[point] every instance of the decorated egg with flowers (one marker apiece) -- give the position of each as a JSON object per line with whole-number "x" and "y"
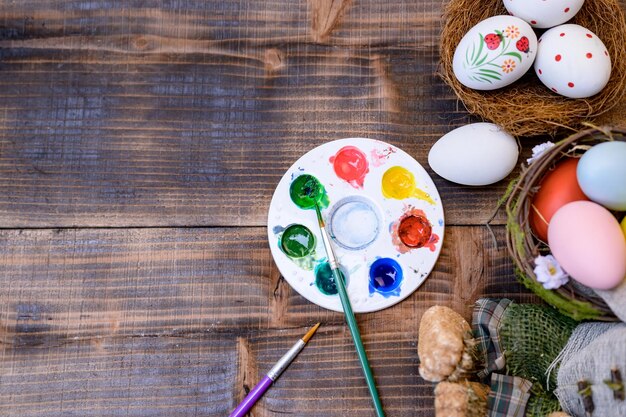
{"x": 495, "y": 53}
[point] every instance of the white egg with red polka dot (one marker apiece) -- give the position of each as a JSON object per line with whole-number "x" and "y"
{"x": 543, "y": 13}
{"x": 572, "y": 61}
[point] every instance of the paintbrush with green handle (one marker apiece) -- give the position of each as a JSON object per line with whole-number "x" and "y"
{"x": 350, "y": 319}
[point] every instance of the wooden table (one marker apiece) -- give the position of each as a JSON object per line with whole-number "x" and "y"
{"x": 140, "y": 145}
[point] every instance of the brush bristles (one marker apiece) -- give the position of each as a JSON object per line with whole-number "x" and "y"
{"x": 310, "y": 333}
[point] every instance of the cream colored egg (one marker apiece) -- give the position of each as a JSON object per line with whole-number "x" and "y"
{"x": 544, "y": 14}
{"x": 572, "y": 61}
{"x": 495, "y": 53}
{"x": 474, "y": 154}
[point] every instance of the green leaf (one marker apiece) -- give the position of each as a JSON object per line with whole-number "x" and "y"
{"x": 514, "y": 54}
{"x": 480, "y": 48}
{"x": 472, "y": 56}
{"x": 482, "y": 60}
{"x": 486, "y": 79}
{"x": 489, "y": 71}
{"x": 495, "y": 77}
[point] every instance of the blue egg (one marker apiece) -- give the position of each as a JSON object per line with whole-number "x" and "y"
{"x": 601, "y": 174}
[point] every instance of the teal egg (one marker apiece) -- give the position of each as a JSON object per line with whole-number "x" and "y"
{"x": 601, "y": 174}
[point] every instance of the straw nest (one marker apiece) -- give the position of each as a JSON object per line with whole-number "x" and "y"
{"x": 573, "y": 299}
{"x": 527, "y": 107}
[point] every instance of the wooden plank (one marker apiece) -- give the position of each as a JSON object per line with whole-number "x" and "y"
{"x": 59, "y": 285}
{"x": 102, "y": 144}
{"x": 131, "y": 376}
{"x": 207, "y": 375}
{"x": 342, "y": 22}
{"x": 145, "y": 119}
{"x": 145, "y": 322}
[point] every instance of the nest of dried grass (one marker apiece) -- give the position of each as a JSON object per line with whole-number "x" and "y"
{"x": 527, "y": 107}
{"x": 572, "y": 299}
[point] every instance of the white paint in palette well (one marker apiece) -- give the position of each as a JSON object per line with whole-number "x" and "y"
{"x": 354, "y": 223}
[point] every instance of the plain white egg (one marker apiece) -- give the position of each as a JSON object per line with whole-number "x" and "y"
{"x": 474, "y": 154}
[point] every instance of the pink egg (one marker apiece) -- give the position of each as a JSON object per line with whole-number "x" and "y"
{"x": 589, "y": 245}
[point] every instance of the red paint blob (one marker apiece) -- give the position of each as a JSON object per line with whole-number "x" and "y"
{"x": 540, "y": 72}
{"x": 554, "y": 89}
{"x": 415, "y": 231}
{"x": 350, "y": 164}
{"x": 606, "y": 53}
{"x": 570, "y": 84}
{"x": 589, "y": 35}
{"x": 566, "y": 9}
{"x": 534, "y": 22}
{"x": 562, "y": 34}
{"x": 589, "y": 55}
{"x": 557, "y": 58}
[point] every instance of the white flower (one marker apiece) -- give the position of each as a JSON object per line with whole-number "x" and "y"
{"x": 538, "y": 150}
{"x": 549, "y": 272}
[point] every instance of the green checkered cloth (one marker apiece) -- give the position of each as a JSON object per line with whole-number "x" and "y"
{"x": 508, "y": 396}
{"x": 486, "y": 320}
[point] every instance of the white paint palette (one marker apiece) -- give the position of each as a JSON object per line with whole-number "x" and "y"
{"x": 382, "y": 211}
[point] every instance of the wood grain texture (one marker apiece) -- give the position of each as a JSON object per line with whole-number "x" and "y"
{"x": 189, "y": 116}
{"x": 140, "y": 144}
{"x": 61, "y": 284}
{"x": 145, "y": 322}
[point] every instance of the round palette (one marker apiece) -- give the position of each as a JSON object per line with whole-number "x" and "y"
{"x": 382, "y": 211}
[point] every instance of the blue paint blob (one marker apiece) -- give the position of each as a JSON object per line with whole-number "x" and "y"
{"x": 385, "y": 277}
{"x": 278, "y": 230}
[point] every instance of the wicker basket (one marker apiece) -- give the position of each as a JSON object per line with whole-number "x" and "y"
{"x": 527, "y": 107}
{"x": 573, "y": 299}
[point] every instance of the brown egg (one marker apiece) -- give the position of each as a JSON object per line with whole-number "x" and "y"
{"x": 557, "y": 188}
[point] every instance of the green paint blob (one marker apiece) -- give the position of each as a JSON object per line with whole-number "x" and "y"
{"x": 306, "y": 190}
{"x": 297, "y": 241}
{"x": 324, "y": 279}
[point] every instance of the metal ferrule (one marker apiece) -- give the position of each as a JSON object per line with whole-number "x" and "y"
{"x": 332, "y": 260}
{"x": 283, "y": 362}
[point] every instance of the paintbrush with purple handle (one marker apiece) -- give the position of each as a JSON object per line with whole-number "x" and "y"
{"x": 263, "y": 385}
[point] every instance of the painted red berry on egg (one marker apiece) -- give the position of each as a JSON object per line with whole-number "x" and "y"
{"x": 523, "y": 44}
{"x": 493, "y": 41}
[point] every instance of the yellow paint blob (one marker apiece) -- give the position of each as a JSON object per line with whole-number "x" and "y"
{"x": 624, "y": 226}
{"x": 399, "y": 183}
